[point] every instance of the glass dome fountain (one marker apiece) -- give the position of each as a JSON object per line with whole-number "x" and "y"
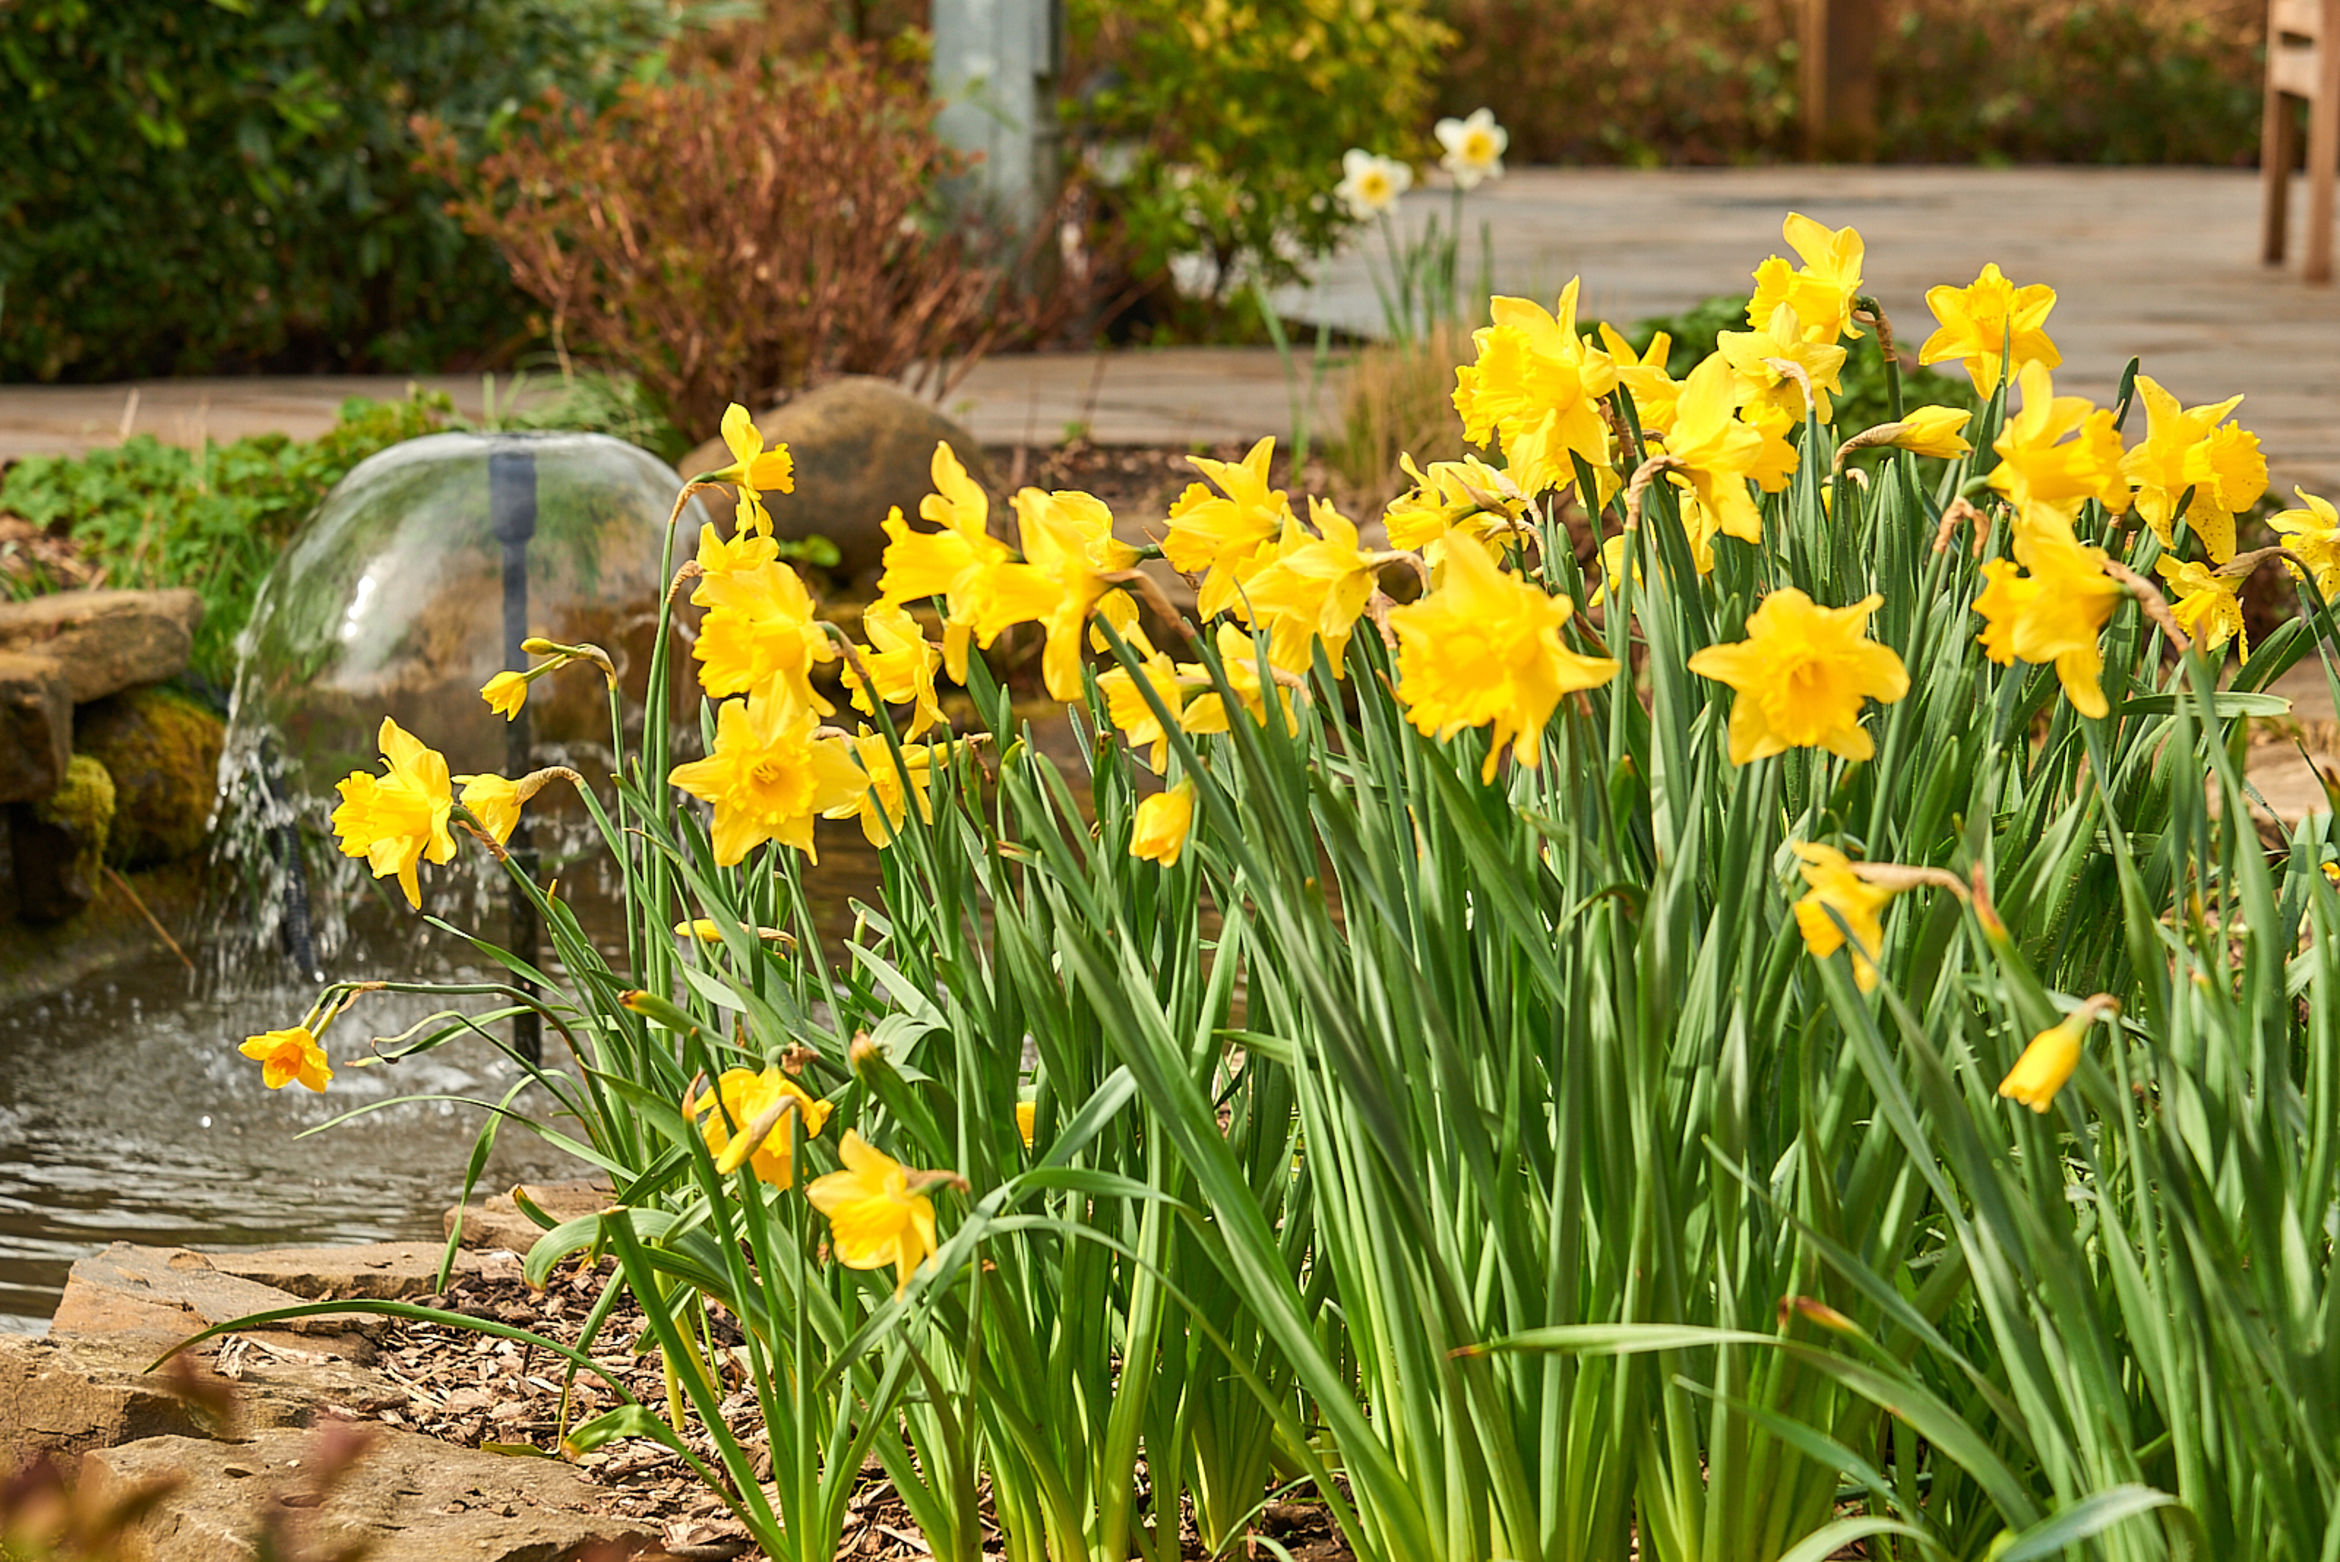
{"x": 414, "y": 583}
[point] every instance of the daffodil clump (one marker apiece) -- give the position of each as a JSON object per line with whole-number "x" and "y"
{"x": 1800, "y": 1038}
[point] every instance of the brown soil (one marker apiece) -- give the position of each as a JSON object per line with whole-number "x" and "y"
{"x": 479, "y": 1391}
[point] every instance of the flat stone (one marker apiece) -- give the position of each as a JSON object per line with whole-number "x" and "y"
{"x": 36, "y": 725}
{"x": 106, "y": 641}
{"x": 65, "y": 1396}
{"x": 498, "y": 1223}
{"x": 862, "y": 447}
{"x": 166, "y": 1294}
{"x": 375, "y": 1271}
{"x": 407, "y": 1498}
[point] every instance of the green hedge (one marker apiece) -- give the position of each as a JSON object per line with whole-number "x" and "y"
{"x": 208, "y": 185}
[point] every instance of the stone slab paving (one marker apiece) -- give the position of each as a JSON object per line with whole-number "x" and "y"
{"x": 42, "y": 420}
{"x": 1143, "y": 396}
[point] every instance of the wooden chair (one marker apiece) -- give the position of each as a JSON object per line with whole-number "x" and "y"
{"x": 2303, "y": 61}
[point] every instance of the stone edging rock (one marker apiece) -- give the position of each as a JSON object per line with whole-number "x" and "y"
{"x": 83, "y": 1393}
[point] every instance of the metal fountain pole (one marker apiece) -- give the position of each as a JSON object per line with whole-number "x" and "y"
{"x": 512, "y": 514}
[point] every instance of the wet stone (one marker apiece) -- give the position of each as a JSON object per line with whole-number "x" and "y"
{"x": 167, "y": 1294}
{"x": 405, "y": 1498}
{"x": 497, "y": 1222}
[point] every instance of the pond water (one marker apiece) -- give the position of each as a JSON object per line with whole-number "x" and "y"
{"x": 128, "y": 1115}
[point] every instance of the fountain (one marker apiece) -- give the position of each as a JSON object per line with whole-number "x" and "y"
{"x": 125, "y": 1110}
{"x": 415, "y": 582}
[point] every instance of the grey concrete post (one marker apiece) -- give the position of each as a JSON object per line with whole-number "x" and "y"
{"x": 995, "y": 70}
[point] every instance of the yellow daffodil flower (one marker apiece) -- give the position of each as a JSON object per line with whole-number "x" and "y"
{"x": 761, "y": 626}
{"x": 1474, "y": 148}
{"x": 708, "y": 931}
{"x": 1163, "y": 821}
{"x": 1977, "y": 323}
{"x": 1227, "y": 535}
{"x": 1722, "y": 454}
{"x": 505, "y": 693}
{"x": 958, "y": 563}
{"x": 1770, "y": 396}
{"x": 494, "y": 802}
{"x": 2208, "y": 605}
{"x": 1239, "y": 664}
{"x": 874, "y": 1217}
{"x": 397, "y": 819}
{"x": 749, "y": 1100}
{"x": 2053, "y": 614}
{"x": 1613, "y": 565}
{"x": 741, "y": 552}
{"x": 1027, "y": 1113}
{"x": 1069, "y": 550}
{"x": 1803, "y": 675}
{"x": 2194, "y": 449}
{"x": 901, "y": 663}
{"x": 1935, "y": 431}
{"x": 1834, "y": 886}
{"x": 2312, "y": 534}
{"x": 1539, "y": 461}
{"x": 1467, "y": 495}
{"x": 1315, "y": 589}
{"x": 1821, "y": 290}
{"x": 1654, "y": 390}
{"x": 2052, "y": 1056}
{"x": 1535, "y": 379}
{"x": 1485, "y": 648}
{"x": 1132, "y": 716}
{"x": 769, "y": 776}
{"x": 288, "y": 1055}
{"x": 756, "y": 470}
{"x": 884, "y": 800}
{"x": 2046, "y": 475}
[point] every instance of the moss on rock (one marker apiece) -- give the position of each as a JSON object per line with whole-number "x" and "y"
{"x": 83, "y": 804}
{"x": 163, "y": 753}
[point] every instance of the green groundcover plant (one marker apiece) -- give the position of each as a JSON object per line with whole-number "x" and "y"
{"x": 1805, "y": 1041}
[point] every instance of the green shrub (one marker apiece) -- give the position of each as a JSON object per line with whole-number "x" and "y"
{"x": 1219, "y": 129}
{"x": 194, "y": 187}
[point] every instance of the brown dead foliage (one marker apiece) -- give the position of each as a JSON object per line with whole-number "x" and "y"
{"x": 737, "y": 233}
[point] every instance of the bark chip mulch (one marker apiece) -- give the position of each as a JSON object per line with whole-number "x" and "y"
{"x": 482, "y": 1392}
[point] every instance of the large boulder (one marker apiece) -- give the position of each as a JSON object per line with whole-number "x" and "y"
{"x": 863, "y": 447}
{"x": 106, "y": 641}
{"x": 163, "y": 753}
